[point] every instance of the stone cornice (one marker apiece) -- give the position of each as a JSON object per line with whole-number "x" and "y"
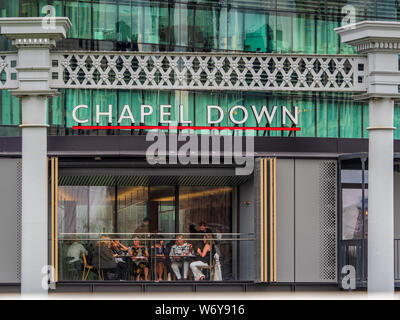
{"x": 34, "y": 31}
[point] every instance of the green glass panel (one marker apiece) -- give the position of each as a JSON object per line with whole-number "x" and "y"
{"x": 235, "y": 30}
{"x": 104, "y": 98}
{"x": 366, "y": 119}
{"x": 205, "y": 31}
{"x": 227, "y": 101}
{"x": 201, "y": 101}
{"x": 71, "y": 10}
{"x": 327, "y": 117}
{"x": 155, "y": 30}
{"x": 255, "y": 32}
{"x": 29, "y": 8}
{"x": 124, "y": 24}
{"x": 9, "y": 8}
{"x": 346, "y": 49}
{"x": 186, "y": 99}
{"x": 85, "y": 20}
{"x": 306, "y": 116}
{"x": 74, "y": 97}
{"x": 56, "y": 105}
{"x": 133, "y": 98}
{"x": 396, "y": 133}
{"x": 321, "y": 34}
{"x": 182, "y": 26}
{"x": 271, "y": 32}
{"x": 104, "y": 21}
{"x": 277, "y": 120}
{"x": 350, "y": 119}
{"x": 57, "y": 4}
{"x": 163, "y": 25}
{"x": 137, "y": 24}
{"x": 387, "y": 9}
{"x": 10, "y": 109}
{"x": 332, "y": 36}
{"x": 303, "y": 34}
{"x": 258, "y": 101}
{"x": 155, "y": 99}
{"x": 284, "y": 34}
{"x": 223, "y": 29}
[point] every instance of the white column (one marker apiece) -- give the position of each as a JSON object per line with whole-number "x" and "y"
{"x": 380, "y": 197}
{"x": 34, "y": 38}
{"x": 34, "y": 194}
{"x": 380, "y": 40}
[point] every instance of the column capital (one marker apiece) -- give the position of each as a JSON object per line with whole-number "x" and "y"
{"x": 34, "y": 37}
{"x": 34, "y": 31}
{"x": 380, "y": 40}
{"x": 370, "y": 36}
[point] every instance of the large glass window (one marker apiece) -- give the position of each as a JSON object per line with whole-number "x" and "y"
{"x": 254, "y": 26}
{"x": 133, "y": 225}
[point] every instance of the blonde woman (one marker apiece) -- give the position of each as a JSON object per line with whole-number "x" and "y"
{"x": 103, "y": 257}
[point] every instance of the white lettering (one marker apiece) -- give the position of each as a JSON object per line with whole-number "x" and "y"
{"x": 143, "y": 114}
{"x": 294, "y": 117}
{"x": 99, "y": 114}
{"x": 264, "y": 110}
{"x": 164, "y": 113}
{"x": 128, "y": 116}
{"x": 246, "y": 114}
{"x": 221, "y": 114}
{"x": 75, "y": 110}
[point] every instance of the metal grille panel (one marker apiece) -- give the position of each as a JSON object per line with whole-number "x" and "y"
{"x": 328, "y": 221}
{"x": 198, "y": 71}
{"x": 19, "y": 217}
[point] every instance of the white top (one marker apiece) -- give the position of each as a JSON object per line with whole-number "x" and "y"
{"x": 74, "y": 251}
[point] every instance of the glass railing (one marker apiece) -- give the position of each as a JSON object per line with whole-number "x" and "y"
{"x": 155, "y": 257}
{"x": 354, "y": 253}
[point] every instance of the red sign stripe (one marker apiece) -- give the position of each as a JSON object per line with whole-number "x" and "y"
{"x": 184, "y": 128}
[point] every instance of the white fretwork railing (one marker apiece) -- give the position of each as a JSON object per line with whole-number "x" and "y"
{"x": 200, "y": 71}
{"x": 8, "y": 72}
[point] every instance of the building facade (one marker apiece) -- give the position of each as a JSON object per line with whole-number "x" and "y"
{"x": 127, "y": 68}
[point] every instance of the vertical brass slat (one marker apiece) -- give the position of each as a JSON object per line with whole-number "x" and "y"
{"x": 262, "y": 220}
{"x": 265, "y": 226}
{"x": 275, "y": 244}
{"x": 271, "y": 221}
{"x": 52, "y": 218}
{"x": 56, "y": 214}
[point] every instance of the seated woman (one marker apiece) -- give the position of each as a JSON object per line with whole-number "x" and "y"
{"x": 103, "y": 258}
{"x": 160, "y": 259}
{"x": 204, "y": 259}
{"x": 139, "y": 259}
{"x": 120, "y": 250}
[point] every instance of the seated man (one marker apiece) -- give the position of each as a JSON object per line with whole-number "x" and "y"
{"x": 180, "y": 252}
{"x": 74, "y": 254}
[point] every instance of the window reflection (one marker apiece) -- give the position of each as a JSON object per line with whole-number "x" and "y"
{"x": 132, "y": 207}
{"x": 354, "y": 222}
{"x": 211, "y": 204}
{"x": 86, "y": 209}
{"x": 351, "y": 176}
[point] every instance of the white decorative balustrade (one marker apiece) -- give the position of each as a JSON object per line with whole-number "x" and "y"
{"x": 200, "y": 71}
{"x": 8, "y": 71}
